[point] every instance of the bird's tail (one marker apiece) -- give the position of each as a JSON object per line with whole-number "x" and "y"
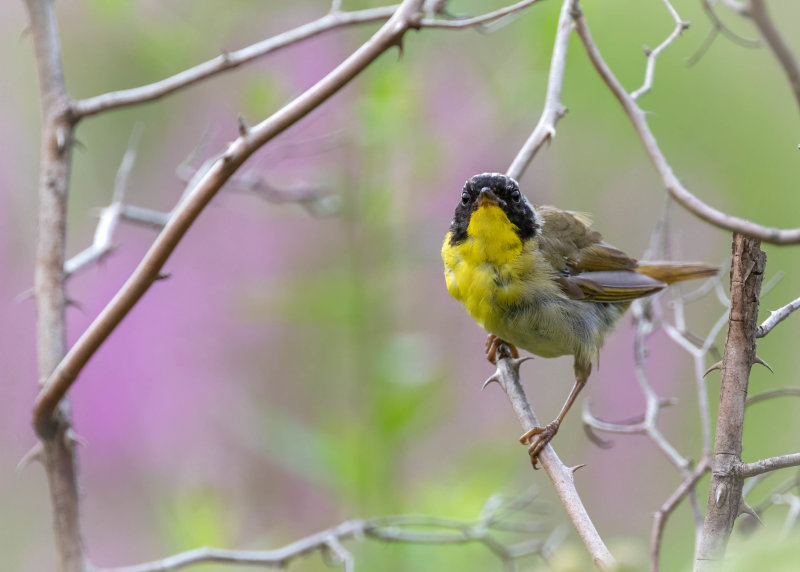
{"x": 669, "y": 272}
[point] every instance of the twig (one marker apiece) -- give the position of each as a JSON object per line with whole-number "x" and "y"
{"x": 652, "y": 55}
{"x": 562, "y": 477}
{"x": 395, "y": 528}
{"x": 477, "y": 20}
{"x": 776, "y": 317}
{"x": 406, "y": 17}
{"x": 663, "y": 513}
{"x": 227, "y": 61}
{"x": 771, "y": 464}
{"x": 725, "y": 491}
{"x": 109, "y": 216}
{"x": 757, "y": 11}
{"x": 671, "y": 182}
{"x": 553, "y": 110}
{"x": 782, "y": 392}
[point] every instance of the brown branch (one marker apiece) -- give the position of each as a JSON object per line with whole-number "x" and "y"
{"x": 390, "y": 34}
{"x": 757, "y": 11}
{"x": 673, "y": 185}
{"x": 56, "y": 152}
{"x": 553, "y": 110}
{"x": 562, "y": 477}
{"x": 725, "y": 491}
{"x": 767, "y": 465}
{"x": 227, "y": 61}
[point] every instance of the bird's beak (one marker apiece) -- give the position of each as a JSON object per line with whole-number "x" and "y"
{"x": 487, "y": 197}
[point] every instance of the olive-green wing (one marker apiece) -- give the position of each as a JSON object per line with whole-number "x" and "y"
{"x": 571, "y": 246}
{"x": 589, "y": 268}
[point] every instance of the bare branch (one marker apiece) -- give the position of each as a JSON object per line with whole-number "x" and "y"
{"x": 477, "y": 20}
{"x": 57, "y": 136}
{"x": 395, "y": 528}
{"x": 771, "y": 464}
{"x": 562, "y": 477}
{"x": 662, "y": 514}
{"x": 652, "y": 55}
{"x": 227, "y": 61}
{"x": 725, "y": 490}
{"x": 671, "y": 182}
{"x": 782, "y": 392}
{"x": 553, "y": 110}
{"x": 406, "y": 17}
{"x": 776, "y": 317}
{"x": 757, "y": 11}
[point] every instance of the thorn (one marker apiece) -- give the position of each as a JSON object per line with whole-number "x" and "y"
{"x": 71, "y": 439}
{"x": 61, "y": 140}
{"x": 516, "y": 362}
{"x": 163, "y": 276}
{"x": 717, "y": 365}
{"x": 244, "y": 129}
{"x": 745, "y": 508}
{"x": 576, "y": 467}
{"x": 720, "y": 494}
{"x": 493, "y": 378}
{"x": 24, "y": 295}
{"x": 647, "y": 51}
{"x": 762, "y": 362}
{"x": 71, "y": 302}
{"x": 34, "y": 454}
{"x": 685, "y": 25}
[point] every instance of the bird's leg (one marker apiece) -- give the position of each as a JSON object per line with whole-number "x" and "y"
{"x": 543, "y": 435}
{"x": 492, "y": 343}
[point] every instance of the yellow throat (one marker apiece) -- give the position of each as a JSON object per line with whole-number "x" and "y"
{"x": 492, "y": 237}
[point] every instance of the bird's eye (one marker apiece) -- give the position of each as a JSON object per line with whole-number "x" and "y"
{"x": 464, "y": 198}
{"x": 516, "y": 196}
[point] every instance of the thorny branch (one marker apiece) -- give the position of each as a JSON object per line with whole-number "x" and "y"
{"x": 399, "y": 528}
{"x": 652, "y": 55}
{"x": 406, "y": 17}
{"x": 776, "y": 317}
{"x": 676, "y": 189}
{"x": 545, "y": 129}
{"x": 562, "y": 477}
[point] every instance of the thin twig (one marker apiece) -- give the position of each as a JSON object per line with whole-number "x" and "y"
{"x": 782, "y": 392}
{"x": 406, "y": 17}
{"x": 553, "y": 110}
{"x": 652, "y": 55}
{"x": 757, "y": 11}
{"x": 686, "y": 487}
{"x": 670, "y": 180}
{"x": 227, "y": 61}
{"x": 394, "y": 528}
{"x": 477, "y": 20}
{"x": 771, "y": 464}
{"x": 776, "y": 317}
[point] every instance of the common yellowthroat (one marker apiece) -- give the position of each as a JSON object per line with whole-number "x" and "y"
{"x": 540, "y": 278}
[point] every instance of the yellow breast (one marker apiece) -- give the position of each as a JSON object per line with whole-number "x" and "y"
{"x": 484, "y": 270}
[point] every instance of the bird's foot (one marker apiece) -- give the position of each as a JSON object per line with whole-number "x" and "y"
{"x": 492, "y": 343}
{"x": 541, "y": 437}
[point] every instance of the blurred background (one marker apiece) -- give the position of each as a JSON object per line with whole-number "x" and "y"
{"x": 305, "y": 365}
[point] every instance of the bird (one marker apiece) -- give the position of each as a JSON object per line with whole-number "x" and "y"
{"x": 541, "y": 279}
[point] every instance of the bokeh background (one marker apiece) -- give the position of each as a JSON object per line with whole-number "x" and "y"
{"x": 297, "y": 370}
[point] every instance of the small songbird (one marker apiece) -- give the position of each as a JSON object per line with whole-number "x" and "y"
{"x": 540, "y": 278}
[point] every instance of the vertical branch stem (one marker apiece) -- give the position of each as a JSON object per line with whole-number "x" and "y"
{"x": 725, "y": 492}
{"x": 57, "y": 134}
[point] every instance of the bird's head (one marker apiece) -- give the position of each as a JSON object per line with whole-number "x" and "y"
{"x": 489, "y": 200}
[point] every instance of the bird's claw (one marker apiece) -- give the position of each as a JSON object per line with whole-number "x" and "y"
{"x": 542, "y": 436}
{"x": 492, "y": 345}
